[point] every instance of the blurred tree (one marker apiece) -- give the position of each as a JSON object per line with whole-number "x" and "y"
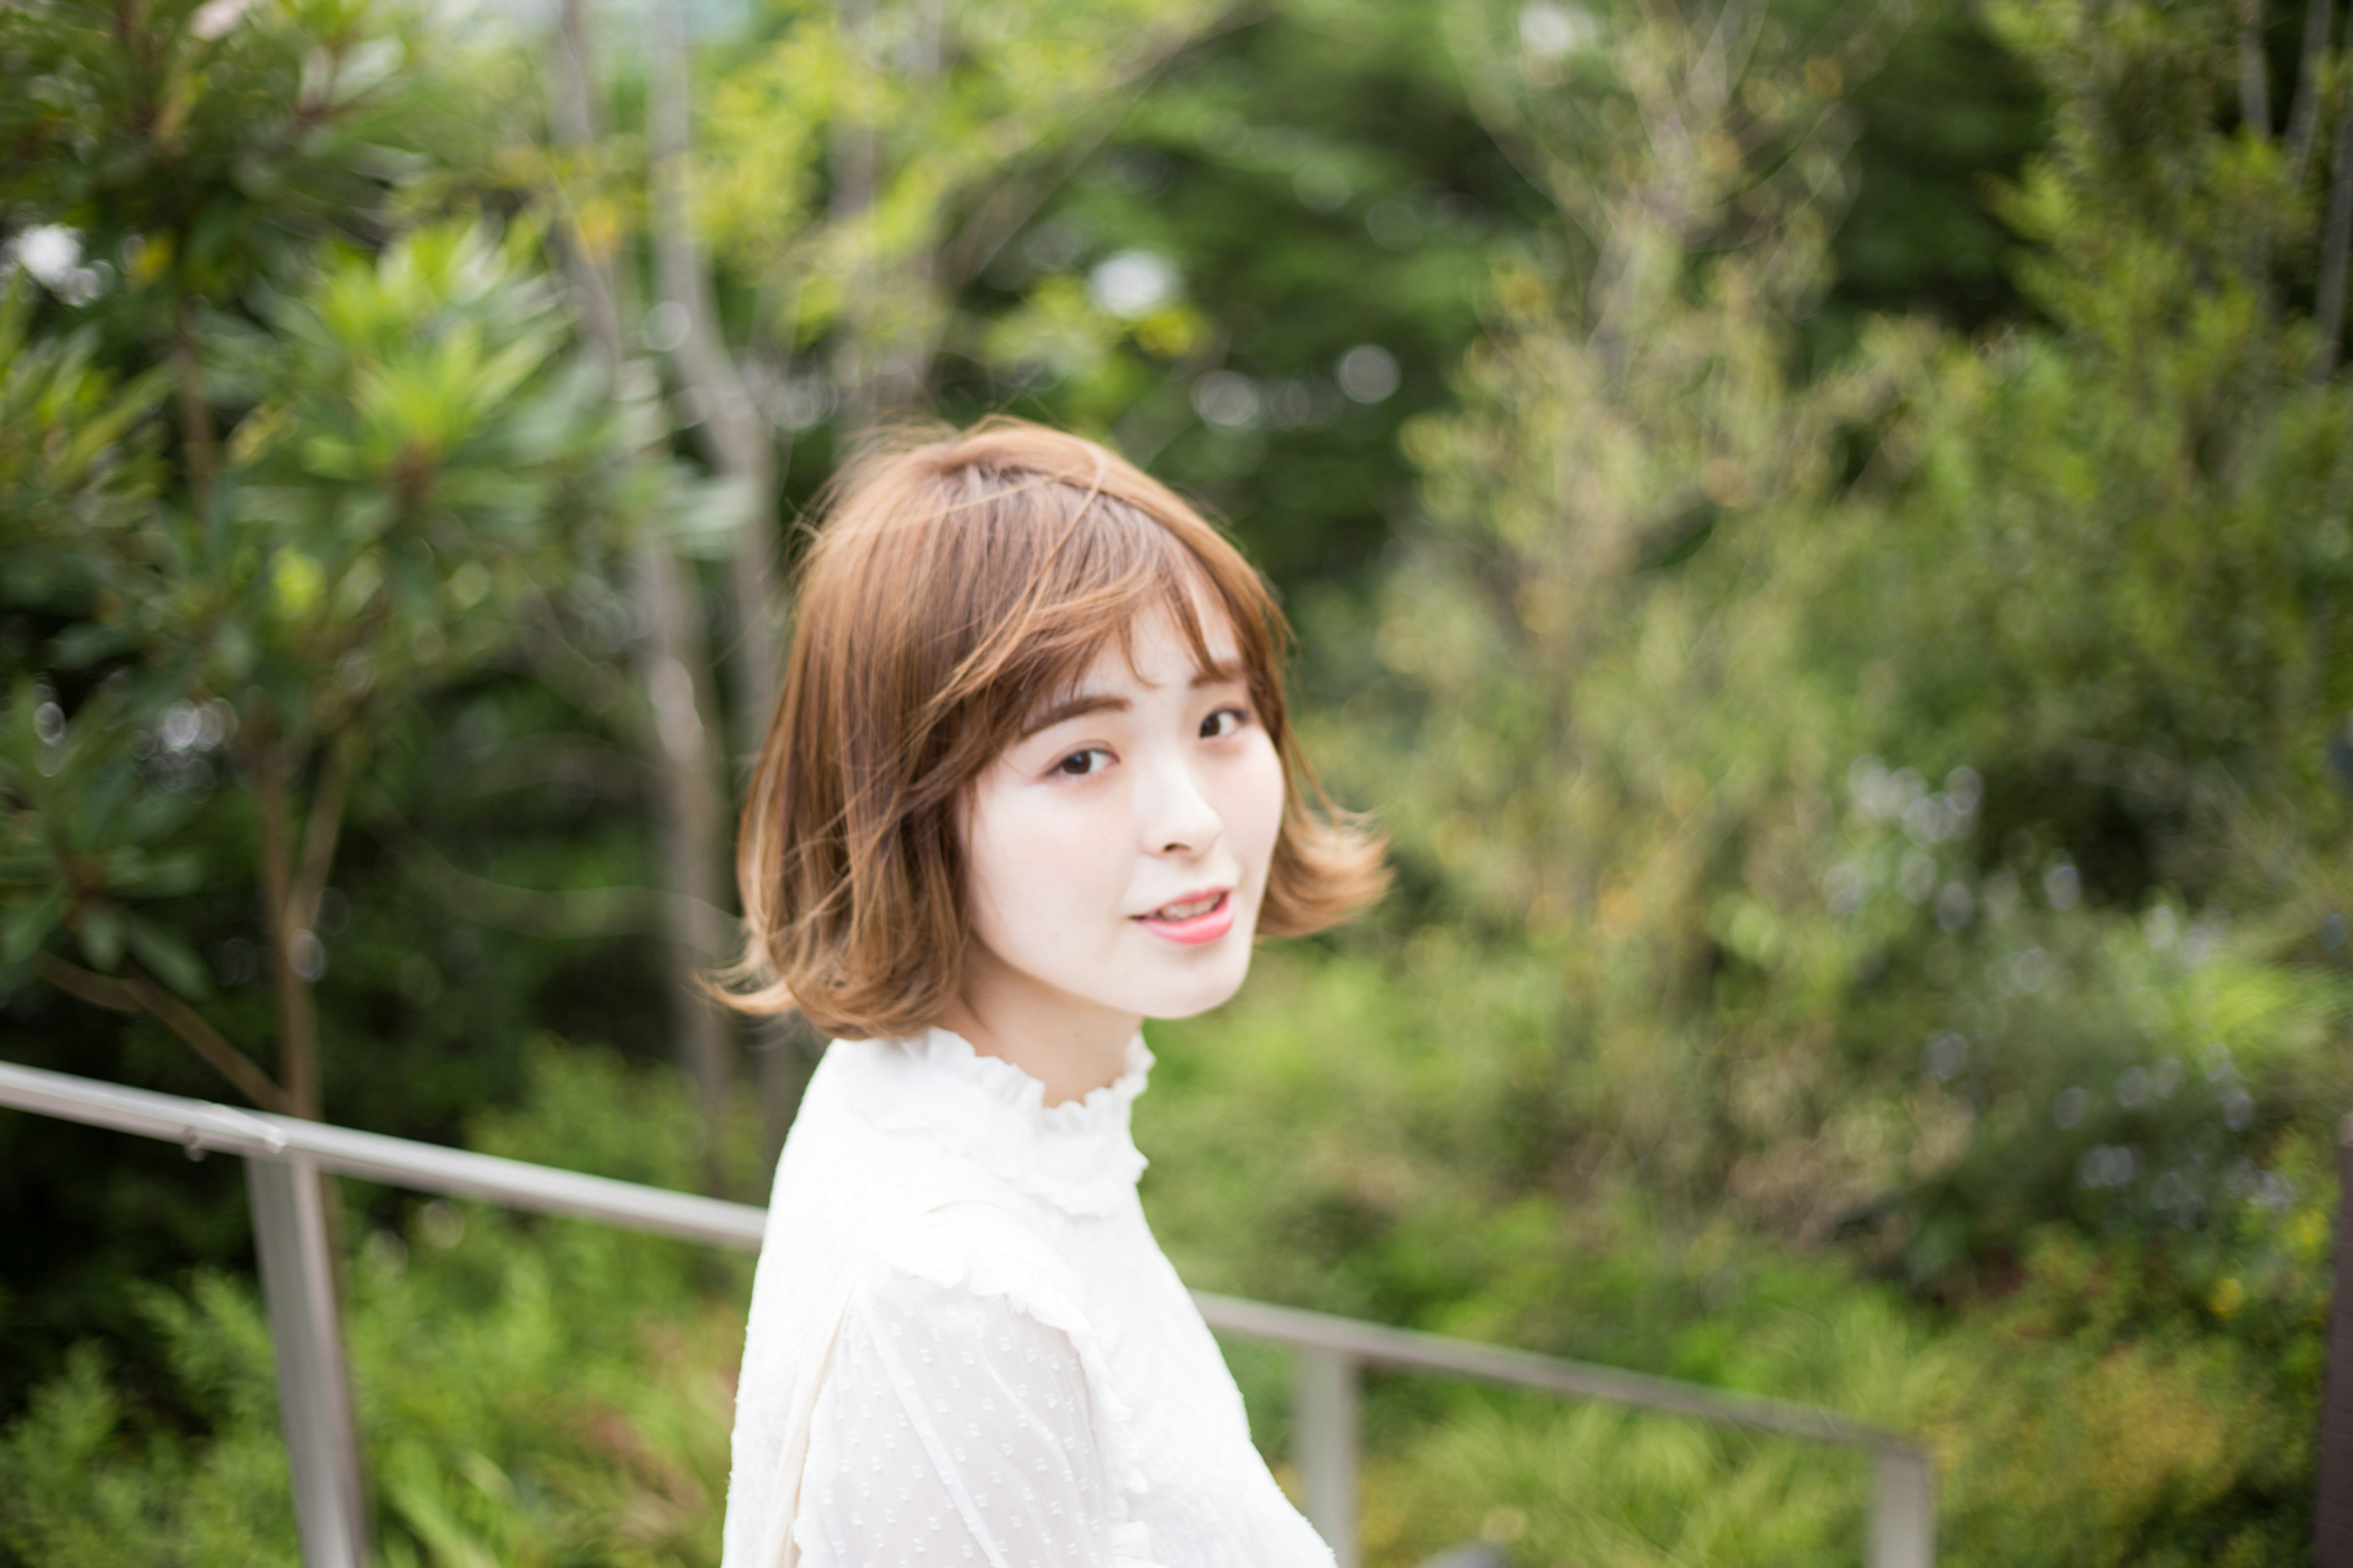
{"x": 391, "y": 496}
{"x": 1678, "y": 594}
{"x": 1310, "y": 182}
{"x": 867, "y": 163}
{"x": 1607, "y": 730}
{"x": 1303, "y": 187}
{"x": 417, "y": 457}
{"x": 682, "y": 735}
{"x": 734, "y": 432}
{"x": 2117, "y": 570}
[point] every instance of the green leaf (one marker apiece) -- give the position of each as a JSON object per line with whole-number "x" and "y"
{"x": 163, "y": 876}
{"x": 85, "y": 643}
{"x": 28, "y": 924}
{"x": 102, "y": 937}
{"x": 167, "y": 958}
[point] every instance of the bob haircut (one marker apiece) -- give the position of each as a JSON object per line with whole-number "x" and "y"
{"x": 956, "y": 584}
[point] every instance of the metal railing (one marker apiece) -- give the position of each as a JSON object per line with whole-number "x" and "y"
{"x": 286, "y": 1158}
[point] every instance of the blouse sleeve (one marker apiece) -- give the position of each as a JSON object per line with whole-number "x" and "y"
{"x": 956, "y": 1427}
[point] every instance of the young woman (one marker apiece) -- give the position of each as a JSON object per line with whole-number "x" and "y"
{"x": 1030, "y": 781}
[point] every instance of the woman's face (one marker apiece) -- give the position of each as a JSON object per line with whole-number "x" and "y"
{"x": 1118, "y": 851}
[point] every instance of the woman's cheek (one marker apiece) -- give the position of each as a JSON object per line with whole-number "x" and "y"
{"x": 1064, "y": 845}
{"x": 1261, "y": 807}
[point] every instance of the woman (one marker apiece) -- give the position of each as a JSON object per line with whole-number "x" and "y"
{"x": 1030, "y": 781}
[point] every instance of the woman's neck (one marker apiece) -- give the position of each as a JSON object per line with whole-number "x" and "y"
{"x": 1071, "y": 1046}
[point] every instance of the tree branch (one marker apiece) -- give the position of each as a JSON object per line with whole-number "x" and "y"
{"x": 320, "y": 833}
{"x": 580, "y": 761}
{"x": 196, "y": 408}
{"x": 2328, "y": 309}
{"x": 2304, "y": 111}
{"x": 2255, "y": 71}
{"x": 1000, "y": 215}
{"x": 135, "y": 992}
{"x": 578, "y": 912}
{"x": 573, "y": 110}
{"x": 734, "y": 433}
{"x": 297, "y": 1023}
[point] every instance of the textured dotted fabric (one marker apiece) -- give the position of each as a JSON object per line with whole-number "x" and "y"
{"x": 965, "y": 1347}
{"x": 953, "y": 1429}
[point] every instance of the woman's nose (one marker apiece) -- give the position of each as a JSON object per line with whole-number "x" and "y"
{"x": 1175, "y": 816}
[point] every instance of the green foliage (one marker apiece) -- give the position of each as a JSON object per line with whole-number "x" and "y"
{"x": 421, "y": 465}
{"x": 85, "y": 843}
{"x": 925, "y": 134}
{"x": 1674, "y": 605}
{"x": 427, "y": 456}
{"x": 1359, "y": 1137}
{"x": 202, "y": 145}
{"x": 71, "y": 446}
{"x": 513, "y": 1414}
{"x": 422, "y": 452}
{"x": 86, "y": 1487}
{"x": 1872, "y": 918}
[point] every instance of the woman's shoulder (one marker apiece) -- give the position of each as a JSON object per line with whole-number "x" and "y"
{"x": 844, "y": 1147}
{"x": 978, "y": 1250}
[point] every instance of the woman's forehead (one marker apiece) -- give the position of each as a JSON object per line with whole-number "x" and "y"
{"x": 1155, "y": 649}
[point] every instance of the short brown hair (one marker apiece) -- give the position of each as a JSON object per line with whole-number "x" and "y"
{"x": 957, "y": 581}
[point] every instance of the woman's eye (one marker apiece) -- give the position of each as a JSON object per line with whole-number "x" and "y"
{"x": 1081, "y": 765}
{"x": 1223, "y": 722}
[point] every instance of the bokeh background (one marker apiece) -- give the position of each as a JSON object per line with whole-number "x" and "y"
{"x": 1820, "y": 526}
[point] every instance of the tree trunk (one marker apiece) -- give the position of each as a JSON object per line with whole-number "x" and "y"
{"x": 734, "y": 437}
{"x": 2254, "y": 71}
{"x": 856, "y": 156}
{"x": 688, "y": 826}
{"x": 574, "y": 115}
{"x": 2329, "y": 310}
{"x": 290, "y": 894}
{"x": 200, "y": 450}
{"x": 903, "y": 360}
{"x": 732, "y": 432}
{"x": 2304, "y": 109}
{"x": 290, "y": 938}
{"x": 678, "y": 736}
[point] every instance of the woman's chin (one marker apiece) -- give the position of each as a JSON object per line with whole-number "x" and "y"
{"x": 1189, "y": 995}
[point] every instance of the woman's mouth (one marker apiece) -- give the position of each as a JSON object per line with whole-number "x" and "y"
{"x": 1203, "y": 918}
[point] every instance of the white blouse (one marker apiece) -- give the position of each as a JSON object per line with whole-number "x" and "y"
{"x": 965, "y": 1347}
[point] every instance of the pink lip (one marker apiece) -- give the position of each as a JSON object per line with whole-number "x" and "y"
{"x": 1208, "y": 926}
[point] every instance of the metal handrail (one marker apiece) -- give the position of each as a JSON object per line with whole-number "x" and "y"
{"x": 287, "y": 1156}
{"x": 199, "y": 1124}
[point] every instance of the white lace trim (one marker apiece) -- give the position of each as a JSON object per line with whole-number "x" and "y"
{"x": 1077, "y": 1156}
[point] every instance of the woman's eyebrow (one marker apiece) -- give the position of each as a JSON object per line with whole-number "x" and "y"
{"x": 1078, "y": 705}
{"x": 1225, "y": 672}
{"x": 1073, "y": 706}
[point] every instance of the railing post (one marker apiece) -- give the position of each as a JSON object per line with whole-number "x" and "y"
{"x": 314, "y": 1397}
{"x": 1903, "y": 1510}
{"x": 1324, "y": 1447}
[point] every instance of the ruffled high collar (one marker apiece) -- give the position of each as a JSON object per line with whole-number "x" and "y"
{"x": 1077, "y": 1155}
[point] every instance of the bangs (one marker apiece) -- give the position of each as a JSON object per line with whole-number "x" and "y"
{"x": 1055, "y": 574}
{"x": 1067, "y": 640}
